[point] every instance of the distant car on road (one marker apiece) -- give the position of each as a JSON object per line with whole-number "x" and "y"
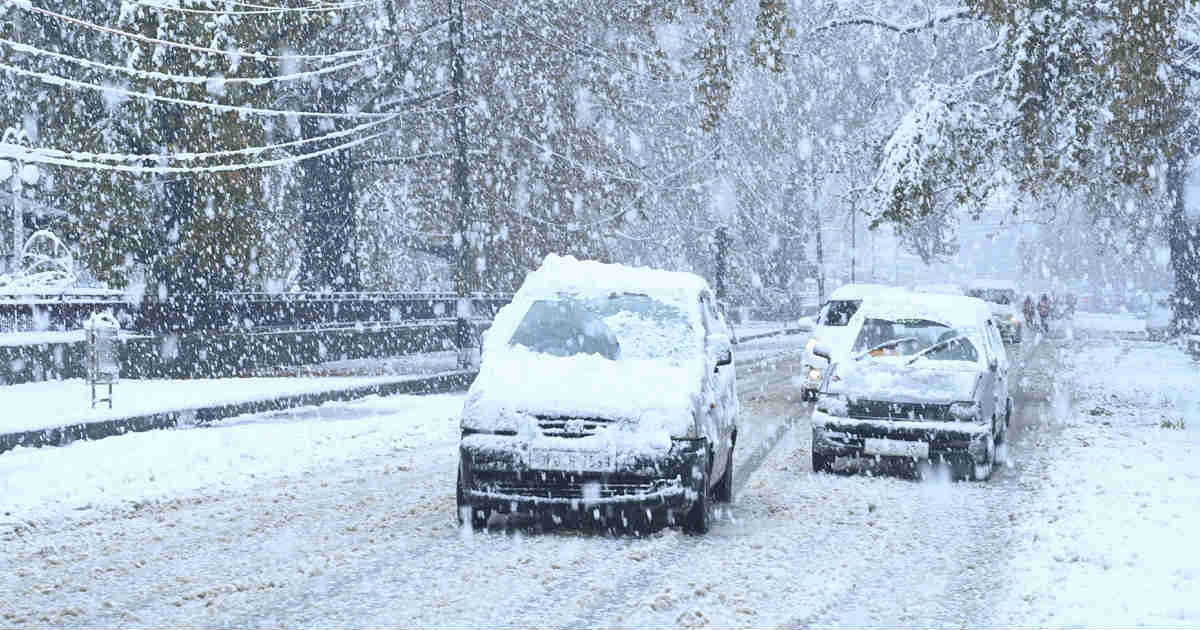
{"x": 1158, "y": 318}
{"x": 927, "y": 379}
{"x": 836, "y": 328}
{"x": 605, "y": 392}
{"x": 1004, "y": 300}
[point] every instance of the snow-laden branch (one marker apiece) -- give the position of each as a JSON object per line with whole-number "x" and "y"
{"x": 234, "y": 54}
{"x": 265, "y": 10}
{"x": 51, "y": 79}
{"x": 13, "y": 150}
{"x": 210, "y": 81}
{"x": 949, "y": 15}
{"x": 85, "y": 156}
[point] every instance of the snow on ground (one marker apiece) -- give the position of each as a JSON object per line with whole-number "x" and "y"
{"x": 37, "y": 483}
{"x": 33, "y": 406}
{"x": 1109, "y": 538}
{"x": 1109, "y": 322}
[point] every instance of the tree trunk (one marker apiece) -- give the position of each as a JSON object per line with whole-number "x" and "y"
{"x": 1184, "y": 240}
{"x": 328, "y": 261}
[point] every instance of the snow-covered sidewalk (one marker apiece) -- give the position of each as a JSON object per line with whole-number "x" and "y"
{"x": 1110, "y": 536}
{"x": 48, "y": 404}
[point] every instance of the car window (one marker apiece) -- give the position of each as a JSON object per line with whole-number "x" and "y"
{"x": 838, "y": 312}
{"x": 910, "y": 337}
{"x": 620, "y": 326}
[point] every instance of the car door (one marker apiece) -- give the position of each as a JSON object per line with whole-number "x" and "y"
{"x": 1002, "y": 373}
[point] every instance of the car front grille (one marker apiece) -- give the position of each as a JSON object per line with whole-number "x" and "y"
{"x": 884, "y": 410}
{"x": 567, "y": 486}
{"x": 566, "y": 427}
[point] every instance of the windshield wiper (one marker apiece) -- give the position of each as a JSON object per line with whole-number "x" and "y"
{"x": 940, "y": 344}
{"x": 886, "y": 344}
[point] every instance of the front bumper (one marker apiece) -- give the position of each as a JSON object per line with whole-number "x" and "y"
{"x": 846, "y": 437}
{"x": 496, "y": 475}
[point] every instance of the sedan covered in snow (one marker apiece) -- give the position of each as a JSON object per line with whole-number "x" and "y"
{"x": 605, "y": 393}
{"x": 927, "y": 380}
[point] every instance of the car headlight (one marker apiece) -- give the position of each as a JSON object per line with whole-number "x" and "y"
{"x": 1013, "y": 319}
{"x": 812, "y": 343}
{"x": 965, "y": 411}
{"x": 833, "y": 404}
{"x": 814, "y": 374}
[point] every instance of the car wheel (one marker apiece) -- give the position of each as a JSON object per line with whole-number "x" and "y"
{"x": 699, "y": 518}
{"x": 723, "y": 491}
{"x": 822, "y": 462}
{"x": 983, "y": 472}
{"x": 479, "y": 518}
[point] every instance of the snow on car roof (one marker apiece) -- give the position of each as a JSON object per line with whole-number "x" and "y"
{"x": 945, "y": 288}
{"x": 860, "y": 290}
{"x": 567, "y": 274}
{"x": 955, "y": 311}
{"x": 993, "y": 284}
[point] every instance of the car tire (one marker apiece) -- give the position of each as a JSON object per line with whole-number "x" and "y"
{"x": 479, "y": 518}
{"x": 699, "y": 517}
{"x": 723, "y": 491}
{"x": 822, "y": 462}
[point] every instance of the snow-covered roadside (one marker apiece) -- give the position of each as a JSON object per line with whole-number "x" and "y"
{"x": 33, "y": 406}
{"x": 36, "y": 484}
{"x": 1110, "y": 537}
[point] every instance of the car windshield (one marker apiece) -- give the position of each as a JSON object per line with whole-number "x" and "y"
{"x": 995, "y": 296}
{"x": 620, "y": 326}
{"x": 912, "y": 337}
{"x": 838, "y": 312}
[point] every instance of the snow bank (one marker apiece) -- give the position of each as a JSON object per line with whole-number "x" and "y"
{"x": 162, "y": 465}
{"x": 1111, "y": 539}
{"x": 33, "y": 406}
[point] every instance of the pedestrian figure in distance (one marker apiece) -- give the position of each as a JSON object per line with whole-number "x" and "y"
{"x": 1043, "y": 308}
{"x": 1027, "y": 308}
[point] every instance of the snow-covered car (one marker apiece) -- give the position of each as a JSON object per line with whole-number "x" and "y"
{"x": 927, "y": 380}
{"x": 1004, "y": 300}
{"x": 1158, "y": 318}
{"x": 836, "y": 327}
{"x": 605, "y": 393}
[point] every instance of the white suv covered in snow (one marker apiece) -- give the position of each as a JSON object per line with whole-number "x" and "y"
{"x": 836, "y": 328}
{"x": 606, "y": 393}
{"x": 927, "y": 379}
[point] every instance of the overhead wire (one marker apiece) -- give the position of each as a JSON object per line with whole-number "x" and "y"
{"x": 16, "y": 151}
{"x": 187, "y": 79}
{"x": 25, "y": 6}
{"x": 258, "y": 11}
{"x": 50, "y": 79}
{"x": 189, "y": 157}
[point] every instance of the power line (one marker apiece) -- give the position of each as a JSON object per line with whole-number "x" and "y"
{"x": 50, "y": 79}
{"x": 14, "y": 151}
{"x": 258, "y": 11}
{"x": 25, "y": 6}
{"x": 188, "y": 157}
{"x": 188, "y": 79}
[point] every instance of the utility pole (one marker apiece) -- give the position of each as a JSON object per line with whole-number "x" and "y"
{"x": 466, "y": 274}
{"x": 18, "y": 171}
{"x": 853, "y": 240}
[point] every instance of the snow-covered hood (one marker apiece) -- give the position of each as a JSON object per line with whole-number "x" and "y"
{"x": 924, "y": 381}
{"x": 516, "y": 386}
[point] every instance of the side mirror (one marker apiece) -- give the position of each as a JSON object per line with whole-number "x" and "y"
{"x": 806, "y": 323}
{"x": 822, "y": 351}
{"x": 721, "y": 348}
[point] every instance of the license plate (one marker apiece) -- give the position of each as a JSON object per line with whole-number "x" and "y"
{"x": 551, "y": 459}
{"x": 901, "y": 448}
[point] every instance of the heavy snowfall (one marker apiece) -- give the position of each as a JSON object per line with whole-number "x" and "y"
{"x": 703, "y": 313}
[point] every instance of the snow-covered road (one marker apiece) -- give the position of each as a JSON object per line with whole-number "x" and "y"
{"x": 348, "y": 520}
